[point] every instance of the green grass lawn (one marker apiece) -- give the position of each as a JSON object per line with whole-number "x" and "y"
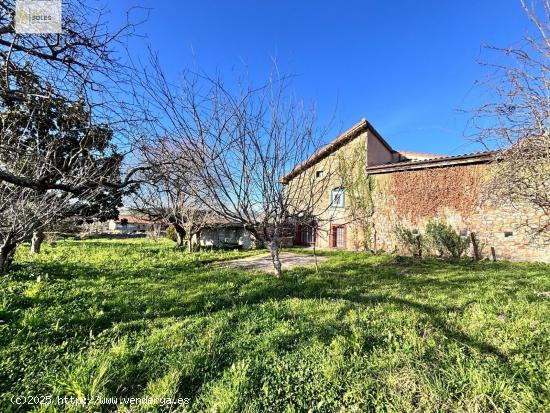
{"x": 367, "y": 333}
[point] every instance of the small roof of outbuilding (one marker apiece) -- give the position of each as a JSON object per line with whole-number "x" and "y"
{"x": 438, "y": 162}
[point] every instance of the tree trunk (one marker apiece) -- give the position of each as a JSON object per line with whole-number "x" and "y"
{"x": 418, "y": 246}
{"x": 179, "y": 240}
{"x": 180, "y": 235}
{"x": 7, "y": 252}
{"x": 366, "y": 236}
{"x": 36, "y": 243}
{"x": 475, "y": 247}
{"x": 274, "y": 249}
{"x": 315, "y": 254}
{"x": 190, "y": 244}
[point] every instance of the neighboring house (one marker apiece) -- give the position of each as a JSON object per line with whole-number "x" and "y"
{"x": 410, "y": 189}
{"x": 217, "y": 233}
{"x": 129, "y": 224}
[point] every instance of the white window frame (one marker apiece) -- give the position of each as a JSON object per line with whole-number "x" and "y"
{"x": 338, "y": 197}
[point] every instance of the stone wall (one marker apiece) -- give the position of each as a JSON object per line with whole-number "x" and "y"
{"x": 327, "y": 216}
{"x": 452, "y": 194}
{"x": 456, "y": 195}
{"x": 224, "y": 237}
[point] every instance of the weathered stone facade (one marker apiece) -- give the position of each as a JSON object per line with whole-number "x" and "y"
{"x": 411, "y": 190}
{"x": 510, "y": 230}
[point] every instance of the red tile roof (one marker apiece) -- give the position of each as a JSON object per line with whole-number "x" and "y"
{"x": 408, "y": 159}
{"x": 132, "y": 219}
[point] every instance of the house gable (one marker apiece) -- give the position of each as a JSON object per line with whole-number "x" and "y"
{"x": 378, "y": 150}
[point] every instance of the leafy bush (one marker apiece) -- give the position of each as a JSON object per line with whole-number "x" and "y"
{"x": 446, "y": 240}
{"x": 407, "y": 239}
{"x": 171, "y": 234}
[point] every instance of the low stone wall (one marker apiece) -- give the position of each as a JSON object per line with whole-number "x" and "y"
{"x": 226, "y": 237}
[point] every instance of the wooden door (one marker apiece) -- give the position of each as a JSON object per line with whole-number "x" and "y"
{"x": 338, "y": 236}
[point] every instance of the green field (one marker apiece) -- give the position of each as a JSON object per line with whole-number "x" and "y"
{"x": 367, "y": 333}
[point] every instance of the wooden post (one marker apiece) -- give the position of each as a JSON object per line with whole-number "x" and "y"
{"x": 493, "y": 253}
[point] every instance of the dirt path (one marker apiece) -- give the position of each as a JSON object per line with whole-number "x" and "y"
{"x": 263, "y": 262}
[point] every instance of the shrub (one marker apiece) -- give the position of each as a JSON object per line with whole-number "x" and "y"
{"x": 446, "y": 240}
{"x": 171, "y": 234}
{"x": 409, "y": 240}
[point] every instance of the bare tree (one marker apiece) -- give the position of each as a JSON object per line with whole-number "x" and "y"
{"x": 26, "y": 212}
{"x": 19, "y": 214}
{"x": 164, "y": 202}
{"x": 516, "y": 119}
{"x": 81, "y": 64}
{"x": 238, "y": 141}
{"x": 82, "y": 60}
{"x": 167, "y": 191}
{"x": 61, "y": 115}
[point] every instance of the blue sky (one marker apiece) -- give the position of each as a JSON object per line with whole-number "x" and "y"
{"x": 406, "y": 66}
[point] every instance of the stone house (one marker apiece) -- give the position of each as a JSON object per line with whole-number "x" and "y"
{"x": 411, "y": 189}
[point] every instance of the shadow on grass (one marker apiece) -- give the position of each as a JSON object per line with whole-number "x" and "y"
{"x": 335, "y": 282}
{"x": 182, "y": 290}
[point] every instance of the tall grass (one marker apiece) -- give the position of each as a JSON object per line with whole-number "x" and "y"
{"x": 367, "y": 333}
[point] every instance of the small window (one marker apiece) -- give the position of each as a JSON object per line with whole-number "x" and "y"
{"x": 337, "y": 198}
{"x": 464, "y": 233}
{"x": 508, "y": 234}
{"x": 319, "y": 174}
